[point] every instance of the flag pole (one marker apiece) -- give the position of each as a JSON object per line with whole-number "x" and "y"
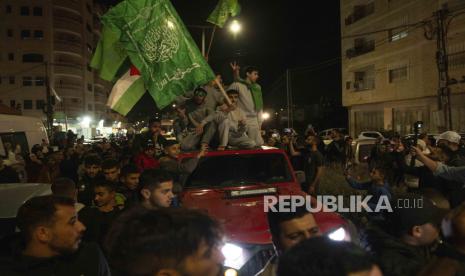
{"x": 223, "y": 92}
{"x": 211, "y": 42}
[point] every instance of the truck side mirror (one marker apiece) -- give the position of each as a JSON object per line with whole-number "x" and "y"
{"x": 300, "y": 176}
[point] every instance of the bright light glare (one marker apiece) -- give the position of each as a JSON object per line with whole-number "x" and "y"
{"x": 235, "y": 27}
{"x": 265, "y": 116}
{"x": 230, "y": 272}
{"x": 170, "y": 24}
{"x": 338, "y": 235}
{"x": 234, "y": 255}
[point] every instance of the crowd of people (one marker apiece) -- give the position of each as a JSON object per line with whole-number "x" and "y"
{"x": 115, "y": 208}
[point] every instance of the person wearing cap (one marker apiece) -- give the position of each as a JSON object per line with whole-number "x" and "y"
{"x": 146, "y": 160}
{"x": 449, "y": 142}
{"x": 402, "y": 244}
{"x": 440, "y": 169}
{"x": 198, "y": 133}
{"x": 153, "y": 135}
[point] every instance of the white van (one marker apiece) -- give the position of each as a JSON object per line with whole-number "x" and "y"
{"x": 22, "y": 130}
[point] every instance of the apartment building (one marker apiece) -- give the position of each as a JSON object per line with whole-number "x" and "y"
{"x": 53, "y": 38}
{"x": 389, "y": 71}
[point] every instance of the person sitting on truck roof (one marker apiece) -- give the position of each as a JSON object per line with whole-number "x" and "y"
{"x": 288, "y": 229}
{"x": 232, "y": 124}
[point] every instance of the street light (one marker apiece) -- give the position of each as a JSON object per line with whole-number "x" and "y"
{"x": 235, "y": 27}
{"x": 265, "y": 116}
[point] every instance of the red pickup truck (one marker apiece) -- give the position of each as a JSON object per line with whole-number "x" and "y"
{"x": 230, "y": 186}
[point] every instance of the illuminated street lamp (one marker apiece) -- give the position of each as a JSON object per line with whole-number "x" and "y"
{"x": 265, "y": 116}
{"x": 235, "y": 27}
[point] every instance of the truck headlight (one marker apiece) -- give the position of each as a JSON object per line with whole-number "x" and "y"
{"x": 338, "y": 234}
{"x": 234, "y": 256}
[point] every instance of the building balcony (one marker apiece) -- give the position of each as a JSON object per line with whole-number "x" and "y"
{"x": 68, "y": 69}
{"x": 67, "y": 47}
{"x": 100, "y": 83}
{"x": 68, "y": 4}
{"x": 362, "y": 85}
{"x": 361, "y": 49}
{"x": 360, "y": 12}
{"x": 67, "y": 24}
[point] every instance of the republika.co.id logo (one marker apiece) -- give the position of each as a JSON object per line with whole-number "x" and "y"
{"x": 340, "y": 204}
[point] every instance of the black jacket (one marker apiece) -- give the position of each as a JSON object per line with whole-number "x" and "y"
{"x": 87, "y": 261}
{"x": 394, "y": 256}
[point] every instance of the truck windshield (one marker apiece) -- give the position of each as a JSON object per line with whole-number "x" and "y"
{"x": 240, "y": 170}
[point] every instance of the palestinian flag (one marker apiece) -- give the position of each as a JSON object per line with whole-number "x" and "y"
{"x": 126, "y": 92}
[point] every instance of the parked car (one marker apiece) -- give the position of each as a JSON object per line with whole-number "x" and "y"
{"x": 13, "y": 196}
{"x": 230, "y": 186}
{"x": 21, "y": 130}
{"x": 325, "y": 135}
{"x": 370, "y": 135}
{"x": 362, "y": 149}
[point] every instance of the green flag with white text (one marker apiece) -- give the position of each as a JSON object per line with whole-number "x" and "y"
{"x": 159, "y": 46}
{"x": 109, "y": 56}
{"x": 223, "y": 9}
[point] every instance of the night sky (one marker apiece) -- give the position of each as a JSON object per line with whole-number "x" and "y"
{"x": 277, "y": 34}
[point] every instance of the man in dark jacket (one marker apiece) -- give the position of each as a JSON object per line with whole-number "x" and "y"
{"x": 92, "y": 175}
{"x": 51, "y": 242}
{"x": 154, "y": 135}
{"x": 403, "y": 245}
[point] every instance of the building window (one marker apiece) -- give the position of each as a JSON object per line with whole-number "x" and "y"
{"x": 33, "y": 58}
{"x": 27, "y": 81}
{"x": 11, "y": 56}
{"x": 89, "y": 29}
{"x": 89, "y": 68}
{"x": 27, "y": 104}
{"x": 364, "y": 78}
{"x": 89, "y": 9}
{"x": 9, "y": 33}
{"x": 38, "y": 34}
{"x": 25, "y": 34}
{"x": 40, "y": 81}
{"x": 12, "y": 79}
{"x": 40, "y": 104}
{"x": 24, "y": 10}
{"x": 360, "y": 12}
{"x": 74, "y": 100}
{"x": 89, "y": 87}
{"x": 37, "y": 11}
{"x": 397, "y": 34}
{"x": 12, "y": 103}
{"x": 398, "y": 74}
{"x": 8, "y": 9}
{"x": 456, "y": 56}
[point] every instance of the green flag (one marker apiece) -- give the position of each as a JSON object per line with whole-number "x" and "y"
{"x": 220, "y": 14}
{"x": 159, "y": 45}
{"x": 109, "y": 56}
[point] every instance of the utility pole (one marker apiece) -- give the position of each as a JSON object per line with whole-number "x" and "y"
{"x": 48, "y": 103}
{"x": 444, "y": 103}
